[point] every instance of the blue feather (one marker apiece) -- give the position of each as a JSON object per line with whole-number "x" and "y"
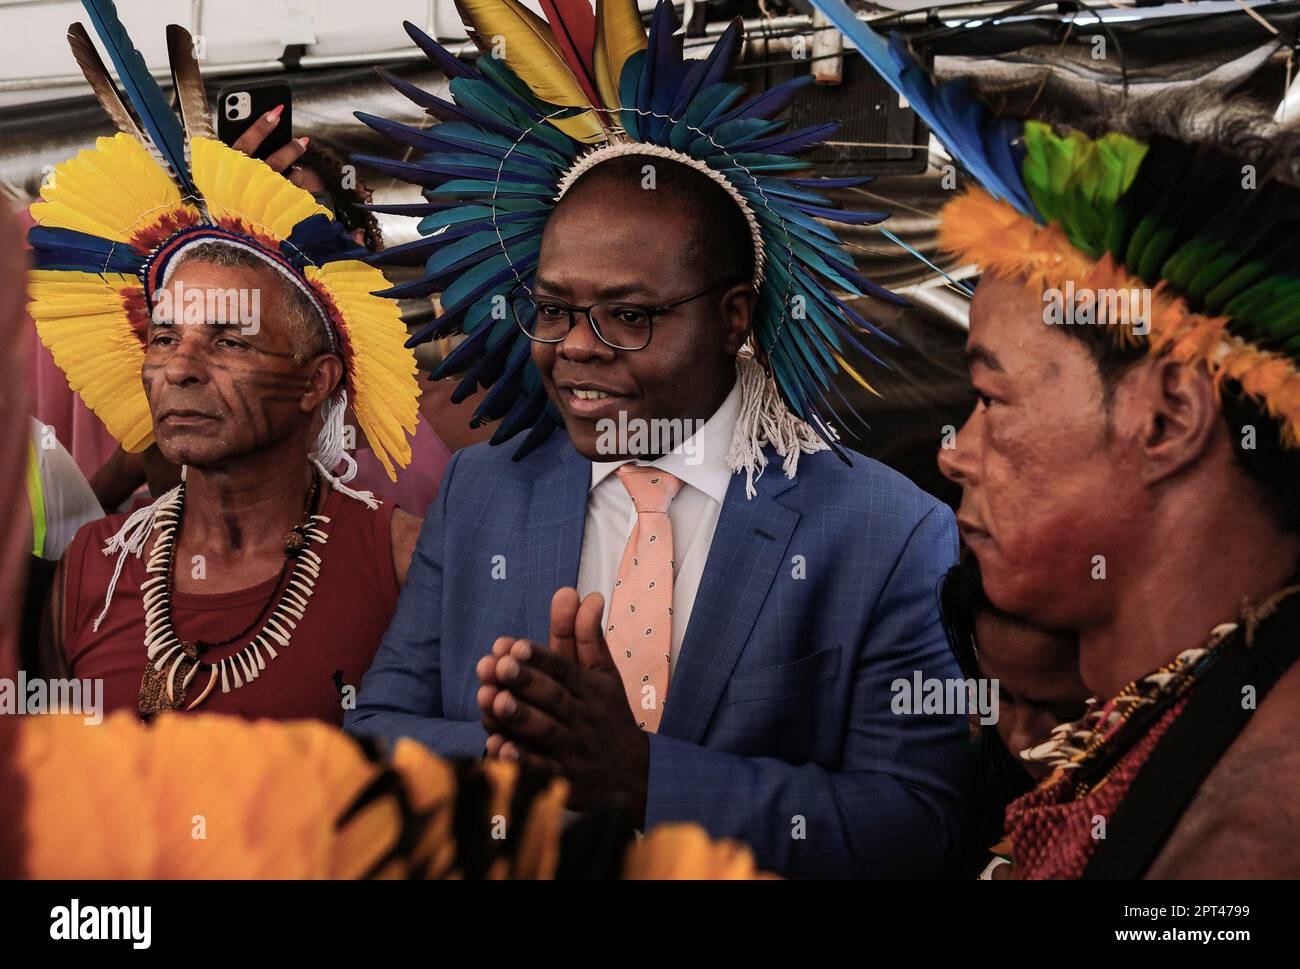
{"x": 732, "y": 134}
{"x": 405, "y": 208}
{"x": 526, "y": 412}
{"x": 790, "y": 142}
{"x": 320, "y": 239}
{"x": 462, "y": 253}
{"x": 783, "y": 188}
{"x": 481, "y": 97}
{"x": 546, "y": 425}
{"x": 691, "y": 125}
{"x": 485, "y": 214}
{"x": 955, "y": 116}
{"x": 453, "y": 137}
{"x": 439, "y": 169}
{"x": 663, "y": 73}
{"x": 629, "y": 83}
{"x": 754, "y": 162}
{"x": 710, "y": 104}
{"x": 844, "y": 216}
{"x": 711, "y": 70}
{"x": 768, "y": 103}
{"x": 507, "y": 383}
{"x": 850, "y": 182}
{"x": 494, "y": 271}
{"x": 462, "y": 355}
{"x": 418, "y": 95}
{"x": 416, "y": 252}
{"x": 449, "y": 65}
{"x": 72, "y": 251}
{"x": 903, "y": 245}
{"x": 505, "y": 210}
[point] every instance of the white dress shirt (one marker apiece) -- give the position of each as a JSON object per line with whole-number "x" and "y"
{"x": 700, "y": 463}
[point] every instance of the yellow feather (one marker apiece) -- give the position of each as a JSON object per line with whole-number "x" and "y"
{"x": 269, "y": 794}
{"x": 237, "y": 186}
{"x": 112, "y": 191}
{"x": 82, "y": 318}
{"x": 853, "y": 373}
{"x": 508, "y": 27}
{"x": 386, "y": 393}
{"x": 685, "y": 852}
{"x": 585, "y": 127}
{"x": 619, "y": 35}
{"x": 124, "y": 800}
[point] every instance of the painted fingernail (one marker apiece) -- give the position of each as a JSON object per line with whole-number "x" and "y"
{"x": 273, "y": 115}
{"x": 302, "y": 141}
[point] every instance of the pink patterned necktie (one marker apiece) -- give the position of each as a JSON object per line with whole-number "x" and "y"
{"x": 639, "y": 630}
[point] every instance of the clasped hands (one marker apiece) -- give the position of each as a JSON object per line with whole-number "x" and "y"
{"x": 562, "y": 708}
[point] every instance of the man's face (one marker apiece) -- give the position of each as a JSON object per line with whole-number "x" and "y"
{"x": 1038, "y": 681}
{"x": 1046, "y": 488}
{"x": 223, "y": 385}
{"x": 624, "y": 244}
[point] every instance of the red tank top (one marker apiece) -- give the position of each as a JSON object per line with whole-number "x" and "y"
{"x": 331, "y": 648}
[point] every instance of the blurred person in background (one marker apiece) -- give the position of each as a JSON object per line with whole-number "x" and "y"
{"x": 1038, "y": 688}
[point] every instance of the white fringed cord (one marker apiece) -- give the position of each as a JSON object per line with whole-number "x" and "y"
{"x": 329, "y": 451}
{"x": 329, "y": 442}
{"x": 366, "y": 497}
{"x": 130, "y": 540}
{"x": 764, "y": 419}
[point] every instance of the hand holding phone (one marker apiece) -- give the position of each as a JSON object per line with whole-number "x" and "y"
{"x": 257, "y": 119}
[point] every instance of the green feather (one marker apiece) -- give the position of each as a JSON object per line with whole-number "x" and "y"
{"x": 1075, "y": 181}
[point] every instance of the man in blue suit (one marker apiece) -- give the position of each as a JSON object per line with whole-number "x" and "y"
{"x": 791, "y": 606}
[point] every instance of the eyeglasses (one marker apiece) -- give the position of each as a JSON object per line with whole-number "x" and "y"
{"x": 621, "y": 326}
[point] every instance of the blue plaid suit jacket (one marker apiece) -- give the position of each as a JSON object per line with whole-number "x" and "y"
{"x": 777, "y": 729}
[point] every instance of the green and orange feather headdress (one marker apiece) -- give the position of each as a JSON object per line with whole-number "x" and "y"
{"x": 1215, "y": 249}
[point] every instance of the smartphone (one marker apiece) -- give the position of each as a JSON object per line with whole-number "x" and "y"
{"x": 239, "y": 105}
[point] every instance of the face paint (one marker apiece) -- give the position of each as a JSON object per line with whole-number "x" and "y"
{"x": 216, "y": 392}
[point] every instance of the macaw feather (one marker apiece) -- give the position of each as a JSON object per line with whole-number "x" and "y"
{"x": 619, "y": 35}
{"x": 155, "y": 114}
{"x": 508, "y": 30}
{"x": 518, "y": 122}
{"x": 187, "y": 80}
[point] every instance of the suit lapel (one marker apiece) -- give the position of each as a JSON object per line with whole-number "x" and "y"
{"x": 556, "y": 519}
{"x": 748, "y": 549}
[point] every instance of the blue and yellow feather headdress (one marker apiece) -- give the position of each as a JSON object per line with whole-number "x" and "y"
{"x": 113, "y": 218}
{"x": 570, "y": 91}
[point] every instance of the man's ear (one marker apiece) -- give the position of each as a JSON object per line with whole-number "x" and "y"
{"x": 1183, "y": 416}
{"x": 738, "y": 305}
{"x": 323, "y": 376}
